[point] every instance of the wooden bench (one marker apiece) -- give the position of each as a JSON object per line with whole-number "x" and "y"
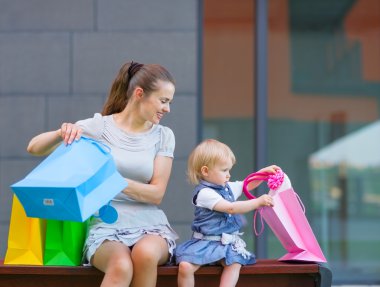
{"x": 265, "y": 273}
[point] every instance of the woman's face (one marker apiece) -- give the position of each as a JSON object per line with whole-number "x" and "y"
{"x": 157, "y": 104}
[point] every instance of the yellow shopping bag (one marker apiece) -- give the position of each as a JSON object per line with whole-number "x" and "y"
{"x": 26, "y": 238}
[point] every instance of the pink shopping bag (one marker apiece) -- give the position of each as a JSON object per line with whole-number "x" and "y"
{"x": 287, "y": 219}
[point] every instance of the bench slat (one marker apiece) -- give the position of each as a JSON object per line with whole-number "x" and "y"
{"x": 265, "y": 273}
{"x": 263, "y": 266}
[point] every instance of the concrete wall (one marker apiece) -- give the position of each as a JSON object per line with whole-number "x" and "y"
{"x": 57, "y": 61}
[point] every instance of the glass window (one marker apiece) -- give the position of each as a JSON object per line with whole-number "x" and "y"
{"x": 323, "y": 115}
{"x": 324, "y": 127}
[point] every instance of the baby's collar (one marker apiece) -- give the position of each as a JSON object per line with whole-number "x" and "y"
{"x": 212, "y": 185}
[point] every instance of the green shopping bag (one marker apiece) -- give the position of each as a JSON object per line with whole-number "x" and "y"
{"x": 64, "y": 242}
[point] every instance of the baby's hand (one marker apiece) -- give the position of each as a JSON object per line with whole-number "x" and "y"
{"x": 271, "y": 169}
{"x": 265, "y": 200}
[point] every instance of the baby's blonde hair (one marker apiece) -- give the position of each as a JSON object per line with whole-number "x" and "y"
{"x": 208, "y": 153}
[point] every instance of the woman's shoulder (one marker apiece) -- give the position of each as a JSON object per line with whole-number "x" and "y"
{"x": 166, "y": 142}
{"x": 97, "y": 117}
{"x": 166, "y": 131}
{"x": 94, "y": 126}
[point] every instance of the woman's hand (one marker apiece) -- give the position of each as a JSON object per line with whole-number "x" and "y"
{"x": 68, "y": 132}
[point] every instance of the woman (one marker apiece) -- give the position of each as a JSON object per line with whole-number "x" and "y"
{"x": 129, "y": 250}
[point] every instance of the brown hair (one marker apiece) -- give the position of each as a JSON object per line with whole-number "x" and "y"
{"x": 208, "y": 153}
{"x": 130, "y": 76}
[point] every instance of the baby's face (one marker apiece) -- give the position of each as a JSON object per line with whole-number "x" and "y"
{"x": 220, "y": 173}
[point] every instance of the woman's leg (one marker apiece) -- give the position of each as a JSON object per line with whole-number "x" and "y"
{"x": 114, "y": 259}
{"x": 230, "y": 275}
{"x": 147, "y": 254}
{"x": 186, "y": 272}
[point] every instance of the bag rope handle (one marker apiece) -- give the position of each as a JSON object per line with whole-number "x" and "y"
{"x": 261, "y": 222}
{"x": 300, "y": 202}
{"x": 273, "y": 181}
{"x": 101, "y": 146}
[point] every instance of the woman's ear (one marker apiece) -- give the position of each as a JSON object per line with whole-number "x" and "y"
{"x": 139, "y": 92}
{"x": 204, "y": 170}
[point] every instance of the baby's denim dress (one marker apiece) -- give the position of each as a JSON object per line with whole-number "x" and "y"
{"x": 215, "y": 234}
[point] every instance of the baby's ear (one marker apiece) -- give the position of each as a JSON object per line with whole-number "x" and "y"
{"x": 204, "y": 170}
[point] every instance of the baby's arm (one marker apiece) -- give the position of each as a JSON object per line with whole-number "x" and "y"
{"x": 243, "y": 206}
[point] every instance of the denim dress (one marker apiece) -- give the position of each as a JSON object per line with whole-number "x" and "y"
{"x": 214, "y": 226}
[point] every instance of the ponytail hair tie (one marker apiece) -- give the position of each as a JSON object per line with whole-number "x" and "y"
{"x": 133, "y": 69}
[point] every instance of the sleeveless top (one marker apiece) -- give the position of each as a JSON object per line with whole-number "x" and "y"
{"x": 211, "y": 222}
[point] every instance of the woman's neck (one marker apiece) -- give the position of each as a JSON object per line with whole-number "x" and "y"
{"x": 131, "y": 123}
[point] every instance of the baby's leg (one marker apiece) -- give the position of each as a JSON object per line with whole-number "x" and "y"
{"x": 230, "y": 275}
{"x": 186, "y": 272}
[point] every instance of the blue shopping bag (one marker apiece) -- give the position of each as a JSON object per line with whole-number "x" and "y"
{"x": 72, "y": 183}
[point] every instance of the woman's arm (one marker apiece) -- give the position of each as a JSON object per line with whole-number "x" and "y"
{"x": 45, "y": 143}
{"x": 154, "y": 191}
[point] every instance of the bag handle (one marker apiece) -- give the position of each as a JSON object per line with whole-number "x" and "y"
{"x": 261, "y": 222}
{"x": 252, "y": 177}
{"x": 101, "y": 146}
{"x": 300, "y": 202}
{"x": 273, "y": 180}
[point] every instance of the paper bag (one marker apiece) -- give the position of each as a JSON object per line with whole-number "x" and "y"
{"x": 64, "y": 242}
{"x": 26, "y": 237}
{"x": 72, "y": 183}
{"x": 288, "y": 220}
